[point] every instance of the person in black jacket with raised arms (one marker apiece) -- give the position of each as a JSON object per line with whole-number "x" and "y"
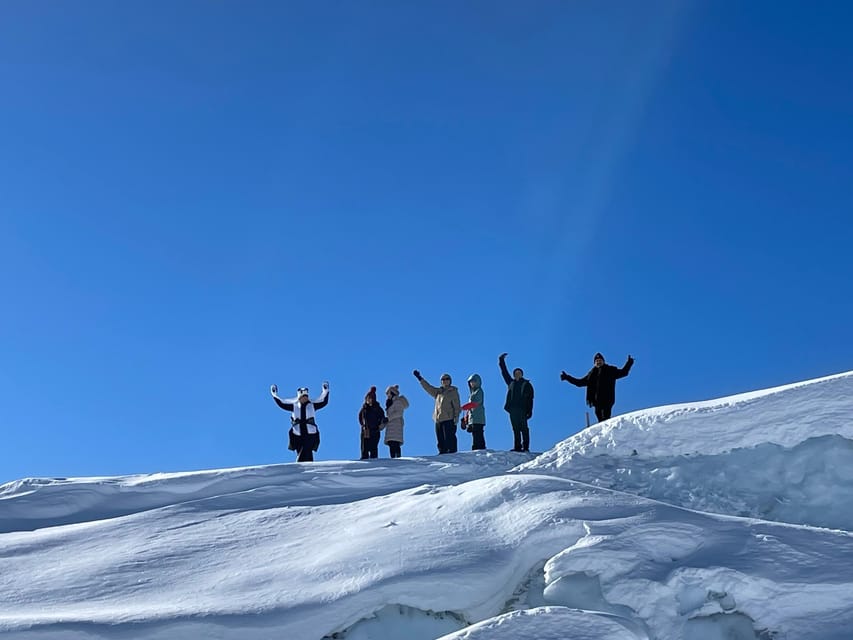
{"x": 304, "y": 436}
{"x": 519, "y": 404}
{"x": 600, "y": 384}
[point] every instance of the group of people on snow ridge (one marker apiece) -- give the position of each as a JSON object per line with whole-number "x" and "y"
{"x": 304, "y": 436}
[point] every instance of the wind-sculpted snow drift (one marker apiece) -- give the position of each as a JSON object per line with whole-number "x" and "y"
{"x": 784, "y": 454}
{"x": 464, "y": 546}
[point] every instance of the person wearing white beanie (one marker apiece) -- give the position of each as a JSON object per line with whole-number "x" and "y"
{"x": 303, "y": 436}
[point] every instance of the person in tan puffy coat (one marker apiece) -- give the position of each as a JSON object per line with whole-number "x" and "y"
{"x": 446, "y": 412}
{"x": 395, "y": 405}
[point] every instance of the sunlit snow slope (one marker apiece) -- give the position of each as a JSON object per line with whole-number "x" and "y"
{"x": 587, "y": 541}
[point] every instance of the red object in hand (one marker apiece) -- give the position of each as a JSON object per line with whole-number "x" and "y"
{"x": 470, "y": 405}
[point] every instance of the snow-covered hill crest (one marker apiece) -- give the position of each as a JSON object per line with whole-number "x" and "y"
{"x": 783, "y": 454}
{"x": 786, "y": 415}
{"x": 483, "y": 544}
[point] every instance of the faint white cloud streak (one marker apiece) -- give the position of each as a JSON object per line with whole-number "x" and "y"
{"x": 566, "y": 205}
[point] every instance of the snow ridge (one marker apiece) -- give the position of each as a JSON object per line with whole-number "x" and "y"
{"x": 589, "y": 536}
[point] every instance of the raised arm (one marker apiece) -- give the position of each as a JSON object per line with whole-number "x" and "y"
{"x": 504, "y": 372}
{"x": 323, "y": 399}
{"x": 621, "y": 373}
{"x": 287, "y": 406}
{"x": 431, "y": 390}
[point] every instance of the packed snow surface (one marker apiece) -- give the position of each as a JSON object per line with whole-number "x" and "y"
{"x": 729, "y": 519}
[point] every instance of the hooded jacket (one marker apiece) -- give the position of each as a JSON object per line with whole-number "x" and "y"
{"x": 477, "y": 415}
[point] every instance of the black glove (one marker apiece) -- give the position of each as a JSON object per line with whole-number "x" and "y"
{"x": 326, "y": 386}
{"x": 502, "y": 357}
{"x": 630, "y": 359}
{"x": 564, "y": 376}
{"x": 273, "y": 389}
{"x": 417, "y": 374}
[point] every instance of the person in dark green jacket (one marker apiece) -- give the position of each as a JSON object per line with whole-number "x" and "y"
{"x": 519, "y": 404}
{"x": 475, "y": 419}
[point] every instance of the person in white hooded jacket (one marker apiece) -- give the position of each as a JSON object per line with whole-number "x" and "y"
{"x": 395, "y": 405}
{"x": 303, "y": 436}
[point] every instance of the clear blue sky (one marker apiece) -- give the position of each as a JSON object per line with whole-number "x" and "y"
{"x": 199, "y": 199}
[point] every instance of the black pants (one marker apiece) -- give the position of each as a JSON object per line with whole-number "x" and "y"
{"x": 478, "y": 439}
{"x": 603, "y": 413}
{"x": 394, "y": 449}
{"x": 304, "y": 446}
{"x": 445, "y": 436}
{"x": 370, "y": 445}
{"x": 520, "y": 431}
{"x": 304, "y": 453}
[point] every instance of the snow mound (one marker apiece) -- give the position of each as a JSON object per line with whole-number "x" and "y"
{"x": 310, "y": 572}
{"x": 810, "y": 483}
{"x": 35, "y": 503}
{"x": 785, "y": 454}
{"x": 785, "y": 415}
{"x": 464, "y": 546}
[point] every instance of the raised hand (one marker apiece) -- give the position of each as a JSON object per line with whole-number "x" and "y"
{"x": 417, "y": 374}
{"x": 503, "y": 356}
{"x": 564, "y": 376}
{"x": 325, "y": 385}
{"x": 273, "y": 389}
